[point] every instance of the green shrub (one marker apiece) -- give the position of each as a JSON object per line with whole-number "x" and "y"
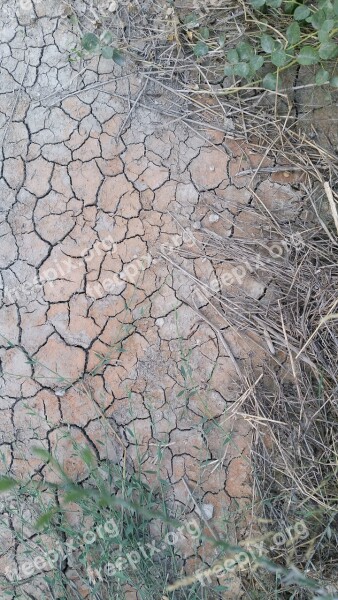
{"x": 92, "y": 44}
{"x": 286, "y": 34}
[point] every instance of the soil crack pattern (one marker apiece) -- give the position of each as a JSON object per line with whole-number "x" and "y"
{"x": 106, "y": 295}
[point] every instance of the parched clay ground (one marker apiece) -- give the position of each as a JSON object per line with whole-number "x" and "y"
{"x": 94, "y": 320}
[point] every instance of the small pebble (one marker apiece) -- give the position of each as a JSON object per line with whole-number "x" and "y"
{"x": 211, "y": 168}
{"x": 113, "y": 6}
{"x": 207, "y": 510}
{"x": 159, "y": 322}
{"x": 228, "y": 124}
{"x": 213, "y": 218}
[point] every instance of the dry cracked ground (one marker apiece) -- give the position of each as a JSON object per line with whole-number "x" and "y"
{"x": 99, "y": 209}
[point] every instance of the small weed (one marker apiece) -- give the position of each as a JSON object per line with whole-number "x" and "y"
{"x": 112, "y": 531}
{"x": 91, "y": 44}
{"x": 108, "y": 535}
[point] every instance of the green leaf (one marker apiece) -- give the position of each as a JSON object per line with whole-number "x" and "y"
{"x": 45, "y": 518}
{"x": 75, "y": 495}
{"x": 293, "y": 33}
{"x": 334, "y": 81}
{"x": 90, "y": 42}
{"x": 335, "y": 7}
{"x": 221, "y": 40}
{"x": 262, "y": 24}
{"x": 118, "y": 57}
{"x": 267, "y": 43}
{"x": 274, "y": 3}
{"x": 245, "y": 50}
{"x": 228, "y": 70}
{"x": 233, "y": 56}
{"x": 322, "y": 77}
{"x": 191, "y": 21}
{"x": 278, "y": 57}
{"x": 325, "y": 30}
{"x": 256, "y": 62}
{"x": 43, "y": 454}
{"x": 87, "y": 456}
{"x": 328, "y": 8}
{"x": 328, "y": 50}
{"x": 257, "y": 3}
{"x": 242, "y": 69}
{"x": 204, "y": 32}
{"x": 289, "y": 7}
{"x": 270, "y": 81}
{"x": 72, "y": 19}
{"x": 107, "y": 52}
{"x": 308, "y": 56}
{"x": 7, "y": 483}
{"x": 301, "y": 12}
{"x": 318, "y": 18}
{"x": 290, "y": 52}
{"x": 201, "y": 49}
{"x": 106, "y": 38}
{"x": 112, "y": 53}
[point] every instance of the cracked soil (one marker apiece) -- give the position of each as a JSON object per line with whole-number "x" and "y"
{"x": 99, "y": 208}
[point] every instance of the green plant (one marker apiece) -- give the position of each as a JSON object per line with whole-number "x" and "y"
{"x": 111, "y": 531}
{"x": 92, "y": 44}
{"x": 306, "y": 36}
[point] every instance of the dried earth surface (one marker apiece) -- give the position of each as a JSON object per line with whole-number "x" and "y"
{"x": 101, "y": 213}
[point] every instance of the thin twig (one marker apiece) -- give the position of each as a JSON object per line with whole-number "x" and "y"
{"x": 199, "y": 510}
{"x": 276, "y": 169}
{"x": 332, "y": 203}
{"x": 133, "y": 106}
{"x": 15, "y": 104}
